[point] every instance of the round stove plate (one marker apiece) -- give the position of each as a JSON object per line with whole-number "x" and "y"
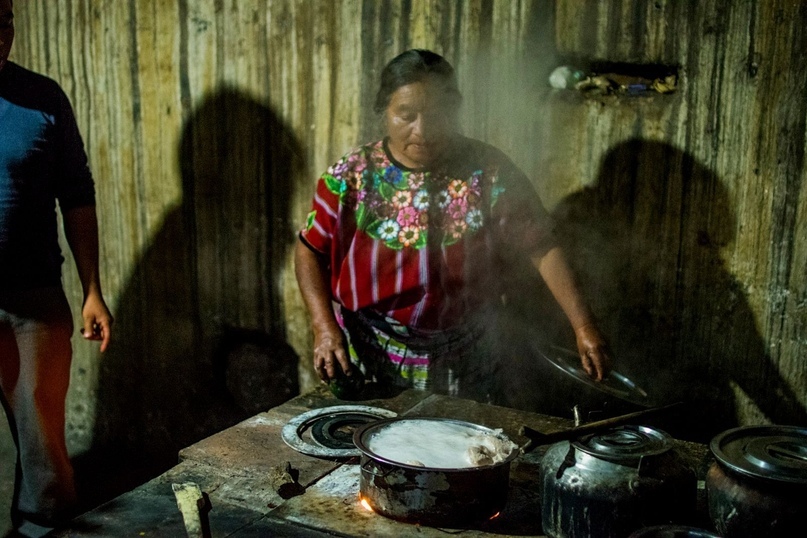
{"x": 297, "y": 433}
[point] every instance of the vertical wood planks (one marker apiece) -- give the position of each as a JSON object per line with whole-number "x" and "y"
{"x": 207, "y": 123}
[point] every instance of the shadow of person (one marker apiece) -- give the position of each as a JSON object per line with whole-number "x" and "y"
{"x": 199, "y": 337}
{"x": 646, "y": 241}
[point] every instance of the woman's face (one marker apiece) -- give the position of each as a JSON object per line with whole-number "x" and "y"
{"x": 420, "y": 123}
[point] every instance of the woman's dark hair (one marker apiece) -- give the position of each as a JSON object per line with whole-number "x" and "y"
{"x": 412, "y": 66}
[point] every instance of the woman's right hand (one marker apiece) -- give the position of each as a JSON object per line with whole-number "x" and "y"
{"x": 313, "y": 276}
{"x": 330, "y": 355}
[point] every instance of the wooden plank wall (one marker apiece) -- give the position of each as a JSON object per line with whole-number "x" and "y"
{"x": 207, "y": 122}
{"x": 688, "y": 214}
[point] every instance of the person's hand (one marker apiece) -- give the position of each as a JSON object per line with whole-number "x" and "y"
{"x": 330, "y": 355}
{"x": 97, "y": 320}
{"x": 594, "y": 352}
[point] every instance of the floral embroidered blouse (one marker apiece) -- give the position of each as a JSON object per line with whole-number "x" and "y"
{"x": 423, "y": 246}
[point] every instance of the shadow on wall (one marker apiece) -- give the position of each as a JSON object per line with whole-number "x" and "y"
{"x": 199, "y": 341}
{"x": 646, "y": 242}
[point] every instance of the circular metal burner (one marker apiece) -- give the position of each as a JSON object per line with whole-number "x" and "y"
{"x": 336, "y": 430}
{"x": 328, "y": 432}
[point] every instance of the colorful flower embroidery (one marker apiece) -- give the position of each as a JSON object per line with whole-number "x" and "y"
{"x": 421, "y": 200}
{"x": 457, "y": 209}
{"x": 408, "y": 217}
{"x": 402, "y": 199}
{"x": 392, "y": 205}
{"x": 457, "y": 188}
{"x": 394, "y": 175}
{"x": 309, "y": 221}
{"x": 455, "y": 230}
{"x": 338, "y": 169}
{"x": 416, "y": 179}
{"x": 443, "y": 199}
{"x": 388, "y": 230}
{"x": 408, "y": 235}
{"x": 474, "y": 219}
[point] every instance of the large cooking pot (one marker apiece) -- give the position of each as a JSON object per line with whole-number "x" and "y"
{"x": 612, "y": 483}
{"x": 440, "y": 497}
{"x": 757, "y": 485}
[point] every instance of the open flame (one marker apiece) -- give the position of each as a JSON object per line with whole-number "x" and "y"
{"x": 365, "y": 504}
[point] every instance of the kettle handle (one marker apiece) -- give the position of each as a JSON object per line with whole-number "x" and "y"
{"x": 568, "y": 461}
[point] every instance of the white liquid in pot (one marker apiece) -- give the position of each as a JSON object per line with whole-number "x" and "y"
{"x": 439, "y": 445}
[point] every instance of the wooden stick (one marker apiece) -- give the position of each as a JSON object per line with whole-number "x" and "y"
{"x": 190, "y": 502}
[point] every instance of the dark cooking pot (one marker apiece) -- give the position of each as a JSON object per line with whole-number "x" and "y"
{"x": 453, "y": 497}
{"x": 758, "y": 484}
{"x": 612, "y": 483}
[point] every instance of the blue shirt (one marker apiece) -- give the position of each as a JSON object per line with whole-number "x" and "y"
{"x": 42, "y": 161}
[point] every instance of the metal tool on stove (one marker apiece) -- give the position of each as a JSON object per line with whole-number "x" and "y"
{"x": 537, "y": 438}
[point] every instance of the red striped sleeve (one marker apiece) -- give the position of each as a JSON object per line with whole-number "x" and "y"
{"x": 319, "y": 229}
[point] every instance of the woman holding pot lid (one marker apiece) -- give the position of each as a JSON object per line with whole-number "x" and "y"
{"x": 408, "y": 237}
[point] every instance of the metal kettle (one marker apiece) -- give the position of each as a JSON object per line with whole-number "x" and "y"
{"x": 612, "y": 483}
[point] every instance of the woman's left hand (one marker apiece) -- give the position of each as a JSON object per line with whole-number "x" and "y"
{"x": 594, "y": 352}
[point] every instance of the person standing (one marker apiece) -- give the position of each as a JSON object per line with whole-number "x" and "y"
{"x": 400, "y": 260}
{"x": 42, "y": 161}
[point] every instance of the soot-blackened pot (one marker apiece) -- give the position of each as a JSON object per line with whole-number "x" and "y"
{"x": 428, "y": 496}
{"x": 612, "y": 483}
{"x": 757, "y": 485}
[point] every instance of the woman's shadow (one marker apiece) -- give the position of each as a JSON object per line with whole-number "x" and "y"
{"x": 199, "y": 339}
{"x": 646, "y": 242}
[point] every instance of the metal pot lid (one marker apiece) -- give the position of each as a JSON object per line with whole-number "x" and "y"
{"x": 770, "y": 452}
{"x": 328, "y": 432}
{"x": 625, "y": 443}
{"x": 615, "y": 384}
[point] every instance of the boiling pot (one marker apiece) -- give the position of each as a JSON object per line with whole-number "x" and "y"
{"x": 437, "y": 497}
{"x": 612, "y": 483}
{"x": 757, "y": 485}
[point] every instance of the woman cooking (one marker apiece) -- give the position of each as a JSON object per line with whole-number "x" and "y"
{"x": 399, "y": 260}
